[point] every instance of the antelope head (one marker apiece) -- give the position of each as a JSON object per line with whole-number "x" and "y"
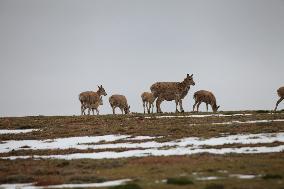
{"x": 127, "y": 109}
{"x": 215, "y": 108}
{"x": 189, "y": 80}
{"x": 102, "y": 90}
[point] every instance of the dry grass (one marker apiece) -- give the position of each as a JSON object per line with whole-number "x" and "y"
{"x": 136, "y": 124}
{"x": 146, "y": 172}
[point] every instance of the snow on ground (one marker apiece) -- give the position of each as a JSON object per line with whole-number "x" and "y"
{"x": 94, "y": 142}
{"x": 87, "y": 185}
{"x": 198, "y": 116}
{"x": 16, "y": 131}
{"x": 184, "y": 146}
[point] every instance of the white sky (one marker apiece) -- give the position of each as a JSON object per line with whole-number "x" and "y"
{"x": 50, "y": 51}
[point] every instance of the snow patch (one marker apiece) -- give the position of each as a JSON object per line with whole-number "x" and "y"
{"x": 87, "y": 185}
{"x": 16, "y": 131}
{"x": 197, "y": 116}
{"x": 155, "y": 152}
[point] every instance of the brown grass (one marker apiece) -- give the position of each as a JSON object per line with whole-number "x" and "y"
{"x": 147, "y": 172}
{"x": 55, "y": 127}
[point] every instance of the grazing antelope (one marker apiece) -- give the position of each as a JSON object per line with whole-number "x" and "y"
{"x": 172, "y": 91}
{"x": 206, "y": 97}
{"x": 88, "y": 98}
{"x": 148, "y": 101}
{"x": 120, "y": 102}
{"x": 280, "y": 93}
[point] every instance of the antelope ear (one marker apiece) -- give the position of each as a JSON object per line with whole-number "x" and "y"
{"x": 101, "y": 86}
{"x": 128, "y": 107}
{"x": 191, "y": 75}
{"x": 98, "y": 86}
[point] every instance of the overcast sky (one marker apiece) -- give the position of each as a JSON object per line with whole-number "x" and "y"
{"x": 50, "y": 51}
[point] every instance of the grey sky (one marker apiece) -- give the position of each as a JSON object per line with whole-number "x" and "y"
{"x": 50, "y": 51}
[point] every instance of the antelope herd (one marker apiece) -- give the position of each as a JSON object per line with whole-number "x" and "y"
{"x": 160, "y": 92}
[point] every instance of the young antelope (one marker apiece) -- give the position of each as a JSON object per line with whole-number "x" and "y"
{"x": 206, "y": 97}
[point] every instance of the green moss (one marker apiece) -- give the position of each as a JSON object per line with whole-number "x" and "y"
{"x": 272, "y": 176}
{"x": 179, "y": 181}
{"x": 262, "y": 111}
{"x": 227, "y": 113}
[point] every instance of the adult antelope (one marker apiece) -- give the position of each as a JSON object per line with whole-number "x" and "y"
{"x": 94, "y": 106}
{"x": 88, "y": 98}
{"x": 172, "y": 91}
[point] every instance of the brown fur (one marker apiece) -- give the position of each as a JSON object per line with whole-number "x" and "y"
{"x": 89, "y": 99}
{"x": 119, "y": 101}
{"x": 207, "y": 97}
{"x": 148, "y": 101}
{"x": 94, "y": 106}
{"x": 280, "y": 93}
{"x": 171, "y": 91}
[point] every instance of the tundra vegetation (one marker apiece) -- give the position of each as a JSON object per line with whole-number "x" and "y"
{"x": 182, "y": 171}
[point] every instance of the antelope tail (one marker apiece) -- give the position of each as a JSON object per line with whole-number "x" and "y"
{"x": 80, "y": 99}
